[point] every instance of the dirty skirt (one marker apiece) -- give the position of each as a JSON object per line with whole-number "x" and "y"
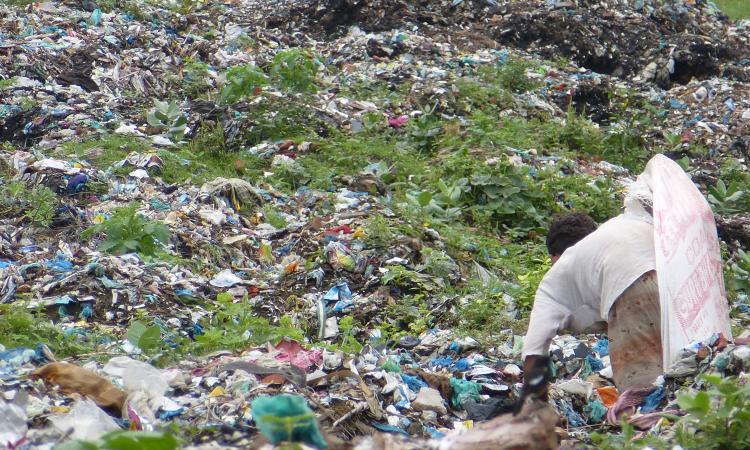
{"x": 634, "y": 331}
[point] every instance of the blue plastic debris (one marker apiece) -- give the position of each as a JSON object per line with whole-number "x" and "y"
{"x": 15, "y": 357}
{"x": 388, "y": 428}
{"x": 414, "y": 382}
{"x": 341, "y": 294}
{"x": 96, "y": 17}
{"x": 166, "y": 415}
{"x": 286, "y": 417}
{"x": 574, "y": 419}
{"x": 652, "y": 400}
{"x": 5, "y": 263}
{"x": 110, "y": 284}
{"x": 60, "y": 264}
{"x": 676, "y": 104}
{"x": 595, "y": 410}
{"x": 441, "y": 361}
{"x": 404, "y": 403}
{"x": 602, "y": 347}
{"x": 433, "y": 433}
{"x": 184, "y": 293}
{"x": 721, "y": 362}
{"x": 595, "y": 363}
{"x": 463, "y": 390}
{"x": 404, "y": 423}
{"x": 462, "y": 365}
{"x": 87, "y": 311}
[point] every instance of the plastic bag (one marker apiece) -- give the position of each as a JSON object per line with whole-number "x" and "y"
{"x": 688, "y": 259}
{"x": 138, "y": 376}
{"x": 13, "y": 426}
{"x": 286, "y": 418}
{"x": 86, "y": 420}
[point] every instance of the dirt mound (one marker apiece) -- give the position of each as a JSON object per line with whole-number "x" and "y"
{"x": 663, "y": 43}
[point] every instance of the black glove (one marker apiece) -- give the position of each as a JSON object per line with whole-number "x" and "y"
{"x": 536, "y": 377}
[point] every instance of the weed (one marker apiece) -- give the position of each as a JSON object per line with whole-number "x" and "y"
{"x": 18, "y": 2}
{"x": 204, "y": 158}
{"x": 529, "y": 282}
{"x": 5, "y": 84}
{"x": 242, "y": 82}
{"x": 22, "y": 327}
{"x": 578, "y": 134}
{"x": 474, "y": 94}
{"x": 195, "y": 74}
{"x": 144, "y": 337}
{"x": 625, "y": 140}
{"x": 739, "y": 272}
{"x": 104, "y": 151}
{"x": 295, "y": 70}
{"x": 717, "y": 418}
{"x": 438, "y": 264}
{"x": 511, "y": 76}
{"x": 38, "y": 204}
{"x": 487, "y": 311}
{"x": 116, "y": 440}
{"x": 287, "y": 118}
{"x": 273, "y": 217}
{"x": 409, "y": 315}
{"x": 234, "y": 326}
{"x": 127, "y": 231}
{"x": 409, "y": 279}
{"x": 724, "y": 199}
{"x": 208, "y": 139}
{"x": 597, "y": 197}
{"x": 378, "y": 232}
{"x": 630, "y": 439}
{"x": 167, "y": 116}
{"x": 349, "y": 343}
{"x": 423, "y": 131}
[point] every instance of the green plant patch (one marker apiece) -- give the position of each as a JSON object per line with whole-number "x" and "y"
{"x": 126, "y": 231}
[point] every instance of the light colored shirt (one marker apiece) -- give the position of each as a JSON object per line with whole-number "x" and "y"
{"x": 577, "y": 292}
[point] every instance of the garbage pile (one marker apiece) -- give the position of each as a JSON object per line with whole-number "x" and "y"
{"x": 145, "y": 286}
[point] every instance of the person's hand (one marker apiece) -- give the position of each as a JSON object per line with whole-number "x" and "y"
{"x": 536, "y": 378}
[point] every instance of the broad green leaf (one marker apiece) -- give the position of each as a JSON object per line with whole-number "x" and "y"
{"x": 224, "y": 297}
{"x": 152, "y": 120}
{"x": 150, "y": 339}
{"x": 424, "y": 198}
{"x": 142, "y": 440}
{"x": 77, "y": 445}
{"x": 735, "y": 196}
{"x": 135, "y": 332}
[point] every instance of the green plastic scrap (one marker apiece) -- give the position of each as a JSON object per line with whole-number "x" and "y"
{"x": 585, "y": 369}
{"x": 286, "y": 418}
{"x": 390, "y": 365}
{"x": 463, "y": 390}
{"x": 595, "y": 411}
{"x": 159, "y": 205}
{"x": 517, "y": 344}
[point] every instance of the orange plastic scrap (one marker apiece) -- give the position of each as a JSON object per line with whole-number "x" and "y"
{"x": 609, "y": 395}
{"x": 76, "y": 380}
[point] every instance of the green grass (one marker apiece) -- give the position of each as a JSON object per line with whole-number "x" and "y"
{"x": 17, "y": 2}
{"x": 735, "y": 9}
{"x": 23, "y": 327}
{"x": 104, "y": 151}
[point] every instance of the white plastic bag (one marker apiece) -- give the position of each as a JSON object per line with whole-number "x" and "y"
{"x": 86, "y": 420}
{"x": 688, "y": 259}
{"x": 138, "y": 376}
{"x": 13, "y": 425}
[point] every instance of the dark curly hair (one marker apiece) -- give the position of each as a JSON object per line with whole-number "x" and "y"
{"x": 566, "y": 230}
